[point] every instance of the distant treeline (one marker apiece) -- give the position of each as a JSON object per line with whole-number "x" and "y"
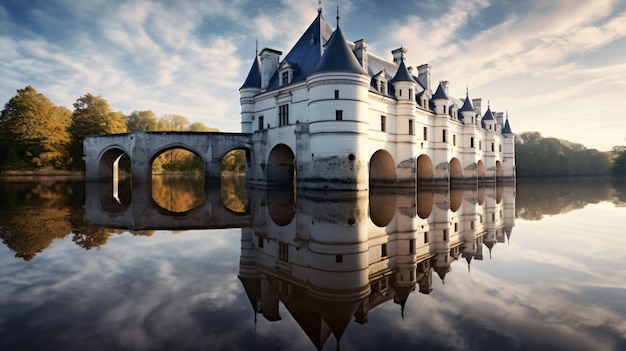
{"x": 536, "y": 156}
{"x": 36, "y": 134}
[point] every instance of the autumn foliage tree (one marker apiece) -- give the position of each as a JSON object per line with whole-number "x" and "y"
{"x": 34, "y": 132}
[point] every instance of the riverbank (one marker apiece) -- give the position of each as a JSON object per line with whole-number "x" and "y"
{"x": 16, "y": 175}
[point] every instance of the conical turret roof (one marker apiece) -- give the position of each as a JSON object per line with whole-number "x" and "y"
{"x": 254, "y": 76}
{"x": 441, "y": 93}
{"x": 338, "y": 56}
{"x": 402, "y": 75}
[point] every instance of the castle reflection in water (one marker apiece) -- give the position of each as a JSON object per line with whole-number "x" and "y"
{"x": 333, "y": 257}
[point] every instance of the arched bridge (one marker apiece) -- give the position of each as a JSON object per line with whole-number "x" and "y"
{"x": 102, "y": 153}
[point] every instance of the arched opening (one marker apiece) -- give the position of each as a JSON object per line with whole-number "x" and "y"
{"x": 456, "y": 171}
{"x": 177, "y": 179}
{"x": 499, "y": 194}
{"x": 382, "y": 207}
{"x": 232, "y": 180}
{"x": 281, "y": 205}
{"x": 425, "y": 201}
{"x": 382, "y": 169}
{"x": 281, "y": 167}
{"x": 424, "y": 170}
{"x": 480, "y": 170}
{"x": 456, "y": 199}
{"x": 115, "y": 171}
{"x": 499, "y": 171}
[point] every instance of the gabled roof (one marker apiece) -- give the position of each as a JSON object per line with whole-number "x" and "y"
{"x": 507, "y": 127}
{"x": 440, "y": 93}
{"x": 403, "y": 75}
{"x": 307, "y": 52}
{"x": 338, "y": 56}
{"x": 254, "y": 76}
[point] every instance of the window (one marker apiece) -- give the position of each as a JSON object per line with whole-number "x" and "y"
{"x": 472, "y": 225}
{"x": 454, "y": 139}
{"x": 381, "y": 86}
{"x": 444, "y": 136}
{"x": 383, "y": 121}
{"x": 260, "y": 122}
{"x": 445, "y": 235}
{"x": 493, "y": 148}
{"x": 336, "y": 94}
{"x": 260, "y": 241}
{"x": 338, "y": 115}
{"x": 472, "y": 142}
{"x": 400, "y": 92}
{"x": 284, "y": 78}
{"x": 456, "y": 227}
{"x": 338, "y": 258}
{"x": 444, "y": 108}
{"x": 493, "y": 217}
{"x": 480, "y": 145}
{"x": 283, "y": 252}
{"x": 410, "y": 93}
{"x": 500, "y": 147}
{"x": 411, "y": 127}
{"x": 411, "y": 246}
{"x": 383, "y": 250}
{"x": 425, "y": 133}
{"x": 283, "y": 115}
{"x": 425, "y": 237}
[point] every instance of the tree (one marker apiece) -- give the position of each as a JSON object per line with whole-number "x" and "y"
{"x": 92, "y": 116}
{"x": 34, "y": 131}
{"x": 201, "y": 127}
{"x": 619, "y": 162}
{"x": 172, "y": 123}
{"x": 142, "y": 121}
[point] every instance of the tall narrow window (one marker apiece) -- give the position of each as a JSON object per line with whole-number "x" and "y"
{"x": 493, "y": 148}
{"x": 425, "y": 237}
{"x": 383, "y": 250}
{"x": 383, "y": 122}
{"x": 283, "y": 115}
{"x": 444, "y": 136}
{"x": 454, "y": 139}
{"x": 444, "y": 108}
{"x": 425, "y": 133}
{"x": 283, "y": 252}
{"x": 411, "y": 246}
{"x": 500, "y": 147}
{"x": 260, "y": 122}
{"x": 472, "y": 142}
{"x": 284, "y": 78}
{"x": 338, "y": 115}
{"x": 411, "y": 127}
{"x": 410, "y": 93}
{"x": 336, "y": 94}
{"x": 480, "y": 145}
{"x": 445, "y": 235}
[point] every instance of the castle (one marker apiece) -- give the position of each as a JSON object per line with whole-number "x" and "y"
{"x": 332, "y": 115}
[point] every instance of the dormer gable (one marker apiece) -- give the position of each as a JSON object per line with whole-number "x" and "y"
{"x": 286, "y": 72}
{"x": 380, "y": 82}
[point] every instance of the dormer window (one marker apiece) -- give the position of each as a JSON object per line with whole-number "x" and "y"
{"x": 286, "y": 72}
{"x": 381, "y": 82}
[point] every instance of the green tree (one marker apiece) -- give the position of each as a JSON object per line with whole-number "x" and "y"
{"x": 619, "y": 162}
{"x": 34, "y": 131}
{"x": 93, "y": 116}
{"x": 201, "y": 127}
{"x": 142, "y": 121}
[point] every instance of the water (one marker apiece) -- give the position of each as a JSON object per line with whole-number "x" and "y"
{"x": 537, "y": 267}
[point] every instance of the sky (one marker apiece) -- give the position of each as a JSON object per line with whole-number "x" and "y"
{"x": 557, "y": 66}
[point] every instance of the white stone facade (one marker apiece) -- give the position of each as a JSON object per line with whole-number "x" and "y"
{"x": 347, "y": 130}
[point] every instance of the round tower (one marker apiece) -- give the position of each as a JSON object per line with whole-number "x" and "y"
{"x": 250, "y": 88}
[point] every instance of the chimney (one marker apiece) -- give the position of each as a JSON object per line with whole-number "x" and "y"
{"x": 423, "y": 75}
{"x": 398, "y": 55}
{"x": 269, "y": 64}
{"x": 360, "y": 50}
{"x": 446, "y": 86}
{"x": 476, "y": 104}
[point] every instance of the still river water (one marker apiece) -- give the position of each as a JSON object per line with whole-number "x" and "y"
{"x": 539, "y": 266}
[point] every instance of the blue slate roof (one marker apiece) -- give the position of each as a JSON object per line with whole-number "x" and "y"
{"x": 440, "y": 93}
{"x": 403, "y": 75}
{"x": 254, "y": 76}
{"x": 488, "y": 116}
{"x": 467, "y": 104}
{"x": 338, "y": 56}
{"x": 307, "y": 52}
{"x": 507, "y": 127}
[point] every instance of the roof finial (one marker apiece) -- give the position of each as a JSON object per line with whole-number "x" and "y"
{"x": 337, "y": 13}
{"x": 319, "y": 7}
{"x": 466, "y": 91}
{"x": 256, "y": 50}
{"x": 488, "y": 104}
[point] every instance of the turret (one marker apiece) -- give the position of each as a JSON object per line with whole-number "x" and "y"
{"x": 467, "y": 110}
{"x": 404, "y": 84}
{"x": 488, "y": 121}
{"x": 250, "y": 88}
{"x": 441, "y": 100}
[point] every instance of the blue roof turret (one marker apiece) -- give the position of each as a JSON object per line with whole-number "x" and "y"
{"x": 507, "y": 127}
{"x": 467, "y": 104}
{"x": 254, "y": 76}
{"x": 402, "y": 75}
{"x": 488, "y": 116}
{"x": 338, "y": 56}
{"x": 441, "y": 93}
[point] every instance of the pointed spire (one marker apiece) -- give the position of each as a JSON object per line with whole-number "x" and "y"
{"x": 402, "y": 75}
{"x": 338, "y": 56}
{"x": 254, "y": 76}
{"x": 467, "y": 104}
{"x": 337, "y": 14}
{"x": 441, "y": 93}
{"x": 507, "y": 126}
{"x": 319, "y": 7}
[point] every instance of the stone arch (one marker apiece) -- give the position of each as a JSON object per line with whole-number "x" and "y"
{"x": 382, "y": 168}
{"x": 424, "y": 169}
{"x": 480, "y": 170}
{"x": 177, "y": 193}
{"x": 281, "y": 205}
{"x": 456, "y": 199}
{"x": 280, "y": 167}
{"x": 382, "y": 207}
{"x": 118, "y": 194}
{"x": 456, "y": 170}
{"x": 425, "y": 202}
{"x": 499, "y": 171}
